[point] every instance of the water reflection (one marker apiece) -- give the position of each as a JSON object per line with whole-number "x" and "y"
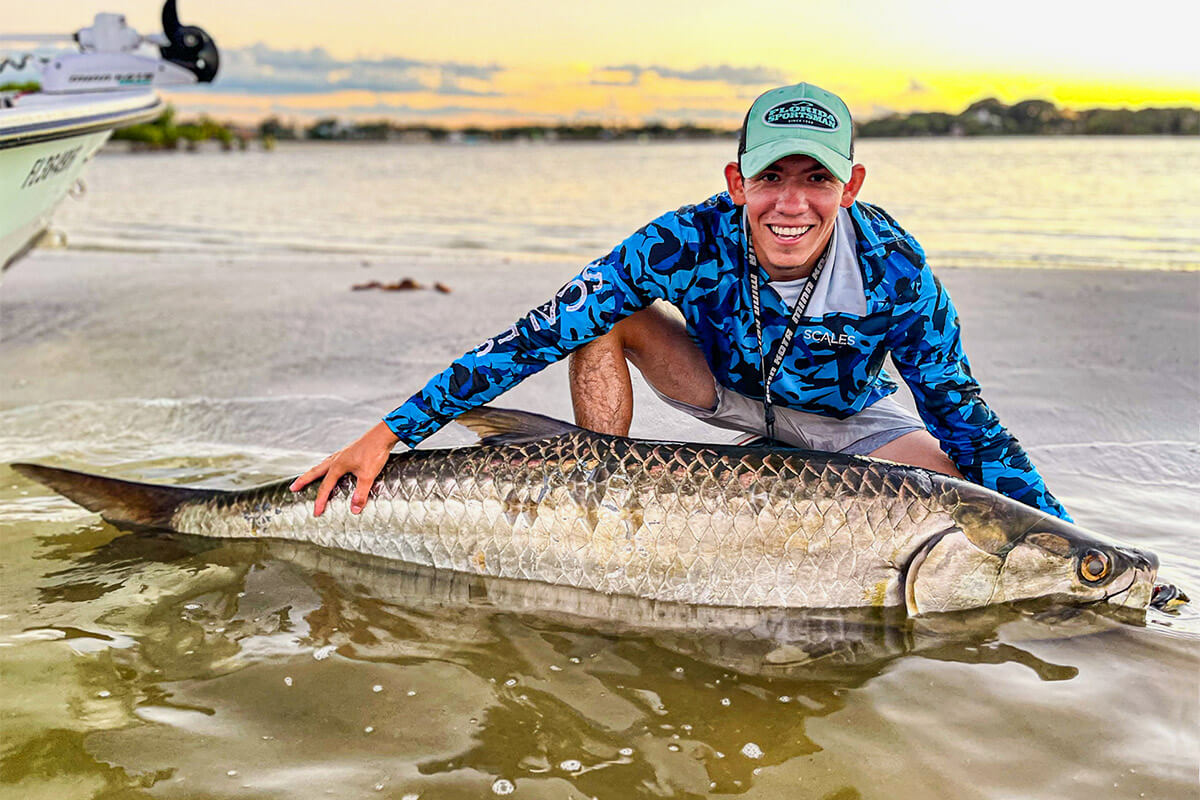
{"x": 251, "y": 654}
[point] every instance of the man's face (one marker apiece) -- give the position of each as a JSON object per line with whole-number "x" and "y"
{"x": 791, "y": 207}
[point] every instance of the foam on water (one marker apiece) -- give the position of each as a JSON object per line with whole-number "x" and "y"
{"x": 131, "y": 429}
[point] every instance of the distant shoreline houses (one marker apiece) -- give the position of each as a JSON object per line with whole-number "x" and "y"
{"x": 989, "y": 117}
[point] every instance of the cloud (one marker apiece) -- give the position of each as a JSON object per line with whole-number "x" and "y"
{"x": 715, "y": 116}
{"x": 312, "y": 82}
{"x": 390, "y": 109}
{"x": 737, "y": 76}
{"x": 631, "y": 74}
{"x": 260, "y": 69}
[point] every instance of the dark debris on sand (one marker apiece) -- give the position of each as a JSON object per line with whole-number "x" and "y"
{"x": 403, "y": 285}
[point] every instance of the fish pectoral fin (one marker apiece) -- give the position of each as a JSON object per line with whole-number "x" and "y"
{"x": 790, "y": 655}
{"x": 507, "y": 426}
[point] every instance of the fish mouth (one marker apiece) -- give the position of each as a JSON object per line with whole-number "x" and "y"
{"x": 1142, "y": 572}
{"x": 1136, "y": 593}
{"x": 1116, "y": 597}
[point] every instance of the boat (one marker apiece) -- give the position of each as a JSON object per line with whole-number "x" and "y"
{"x": 47, "y": 136}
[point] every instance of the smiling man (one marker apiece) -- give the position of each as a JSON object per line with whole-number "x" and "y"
{"x": 783, "y": 296}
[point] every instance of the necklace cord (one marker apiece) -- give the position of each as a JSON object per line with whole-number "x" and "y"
{"x": 789, "y": 332}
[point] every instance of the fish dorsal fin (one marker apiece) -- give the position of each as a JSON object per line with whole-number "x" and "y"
{"x": 507, "y": 426}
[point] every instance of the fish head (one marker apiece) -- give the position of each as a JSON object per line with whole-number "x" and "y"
{"x": 1061, "y": 561}
{"x": 1000, "y": 551}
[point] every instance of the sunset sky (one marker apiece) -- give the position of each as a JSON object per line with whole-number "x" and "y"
{"x": 621, "y": 61}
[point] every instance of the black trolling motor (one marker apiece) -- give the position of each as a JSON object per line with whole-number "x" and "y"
{"x": 189, "y": 46}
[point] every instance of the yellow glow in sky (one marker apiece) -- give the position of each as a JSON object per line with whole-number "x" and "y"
{"x": 635, "y": 60}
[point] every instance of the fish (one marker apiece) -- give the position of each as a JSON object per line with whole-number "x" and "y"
{"x": 538, "y": 499}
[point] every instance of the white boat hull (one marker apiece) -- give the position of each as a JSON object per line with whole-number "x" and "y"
{"x": 33, "y": 181}
{"x": 45, "y": 144}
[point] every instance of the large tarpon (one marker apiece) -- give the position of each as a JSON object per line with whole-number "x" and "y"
{"x": 543, "y": 500}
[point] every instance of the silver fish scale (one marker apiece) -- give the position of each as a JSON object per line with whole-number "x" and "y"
{"x": 711, "y": 525}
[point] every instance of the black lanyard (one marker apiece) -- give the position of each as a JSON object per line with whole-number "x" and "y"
{"x": 788, "y": 333}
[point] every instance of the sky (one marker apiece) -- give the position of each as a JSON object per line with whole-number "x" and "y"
{"x": 634, "y": 61}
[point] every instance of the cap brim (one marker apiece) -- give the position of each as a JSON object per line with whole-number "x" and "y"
{"x": 756, "y": 159}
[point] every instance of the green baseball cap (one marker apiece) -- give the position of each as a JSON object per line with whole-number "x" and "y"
{"x": 796, "y": 120}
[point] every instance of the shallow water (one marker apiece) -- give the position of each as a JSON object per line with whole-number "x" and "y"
{"x": 181, "y": 667}
{"x": 139, "y": 664}
{"x": 1070, "y": 202}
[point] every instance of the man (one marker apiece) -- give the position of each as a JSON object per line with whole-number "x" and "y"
{"x": 784, "y": 281}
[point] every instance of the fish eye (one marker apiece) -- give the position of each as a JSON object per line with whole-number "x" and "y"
{"x": 1094, "y": 566}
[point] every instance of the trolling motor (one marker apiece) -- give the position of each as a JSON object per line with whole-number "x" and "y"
{"x": 190, "y": 47}
{"x": 107, "y": 59}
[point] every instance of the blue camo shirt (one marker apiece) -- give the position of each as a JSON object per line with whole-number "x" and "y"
{"x": 694, "y": 259}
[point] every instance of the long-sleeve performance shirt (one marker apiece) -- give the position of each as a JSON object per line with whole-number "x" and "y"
{"x": 695, "y": 259}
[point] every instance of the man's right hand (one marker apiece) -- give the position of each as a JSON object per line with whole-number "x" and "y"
{"x": 363, "y": 458}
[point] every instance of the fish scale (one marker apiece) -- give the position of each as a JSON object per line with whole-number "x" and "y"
{"x": 691, "y": 523}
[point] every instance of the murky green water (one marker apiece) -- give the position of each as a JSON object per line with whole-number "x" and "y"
{"x": 181, "y": 667}
{"x": 172, "y": 666}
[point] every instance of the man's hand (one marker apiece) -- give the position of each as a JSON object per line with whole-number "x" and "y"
{"x": 363, "y": 459}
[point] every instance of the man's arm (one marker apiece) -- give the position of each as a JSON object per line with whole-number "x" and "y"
{"x": 641, "y": 269}
{"x": 584, "y": 308}
{"x": 927, "y": 348}
{"x": 652, "y": 264}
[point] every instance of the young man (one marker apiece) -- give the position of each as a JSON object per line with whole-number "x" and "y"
{"x": 785, "y": 281}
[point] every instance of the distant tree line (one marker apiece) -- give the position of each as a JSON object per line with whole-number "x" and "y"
{"x": 988, "y": 117}
{"x": 164, "y": 133}
{"x": 23, "y": 86}
{"x": 991, "y": 117}
{"x": 332, "y": 129}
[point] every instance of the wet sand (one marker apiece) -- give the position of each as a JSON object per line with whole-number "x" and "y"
{"x": 1065, "y": 356}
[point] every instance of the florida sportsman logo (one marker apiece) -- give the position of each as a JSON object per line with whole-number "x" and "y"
{"x": 804, "y": 113}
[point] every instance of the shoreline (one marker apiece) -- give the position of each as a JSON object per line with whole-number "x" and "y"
{"x": 452, "y": 257}
{"x": 256, "y": 144}
{"x": 1056, "y": 350}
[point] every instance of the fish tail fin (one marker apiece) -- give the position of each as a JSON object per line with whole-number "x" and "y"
{"x": 143, "y": 504}
{"x": 507, "y": 426}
